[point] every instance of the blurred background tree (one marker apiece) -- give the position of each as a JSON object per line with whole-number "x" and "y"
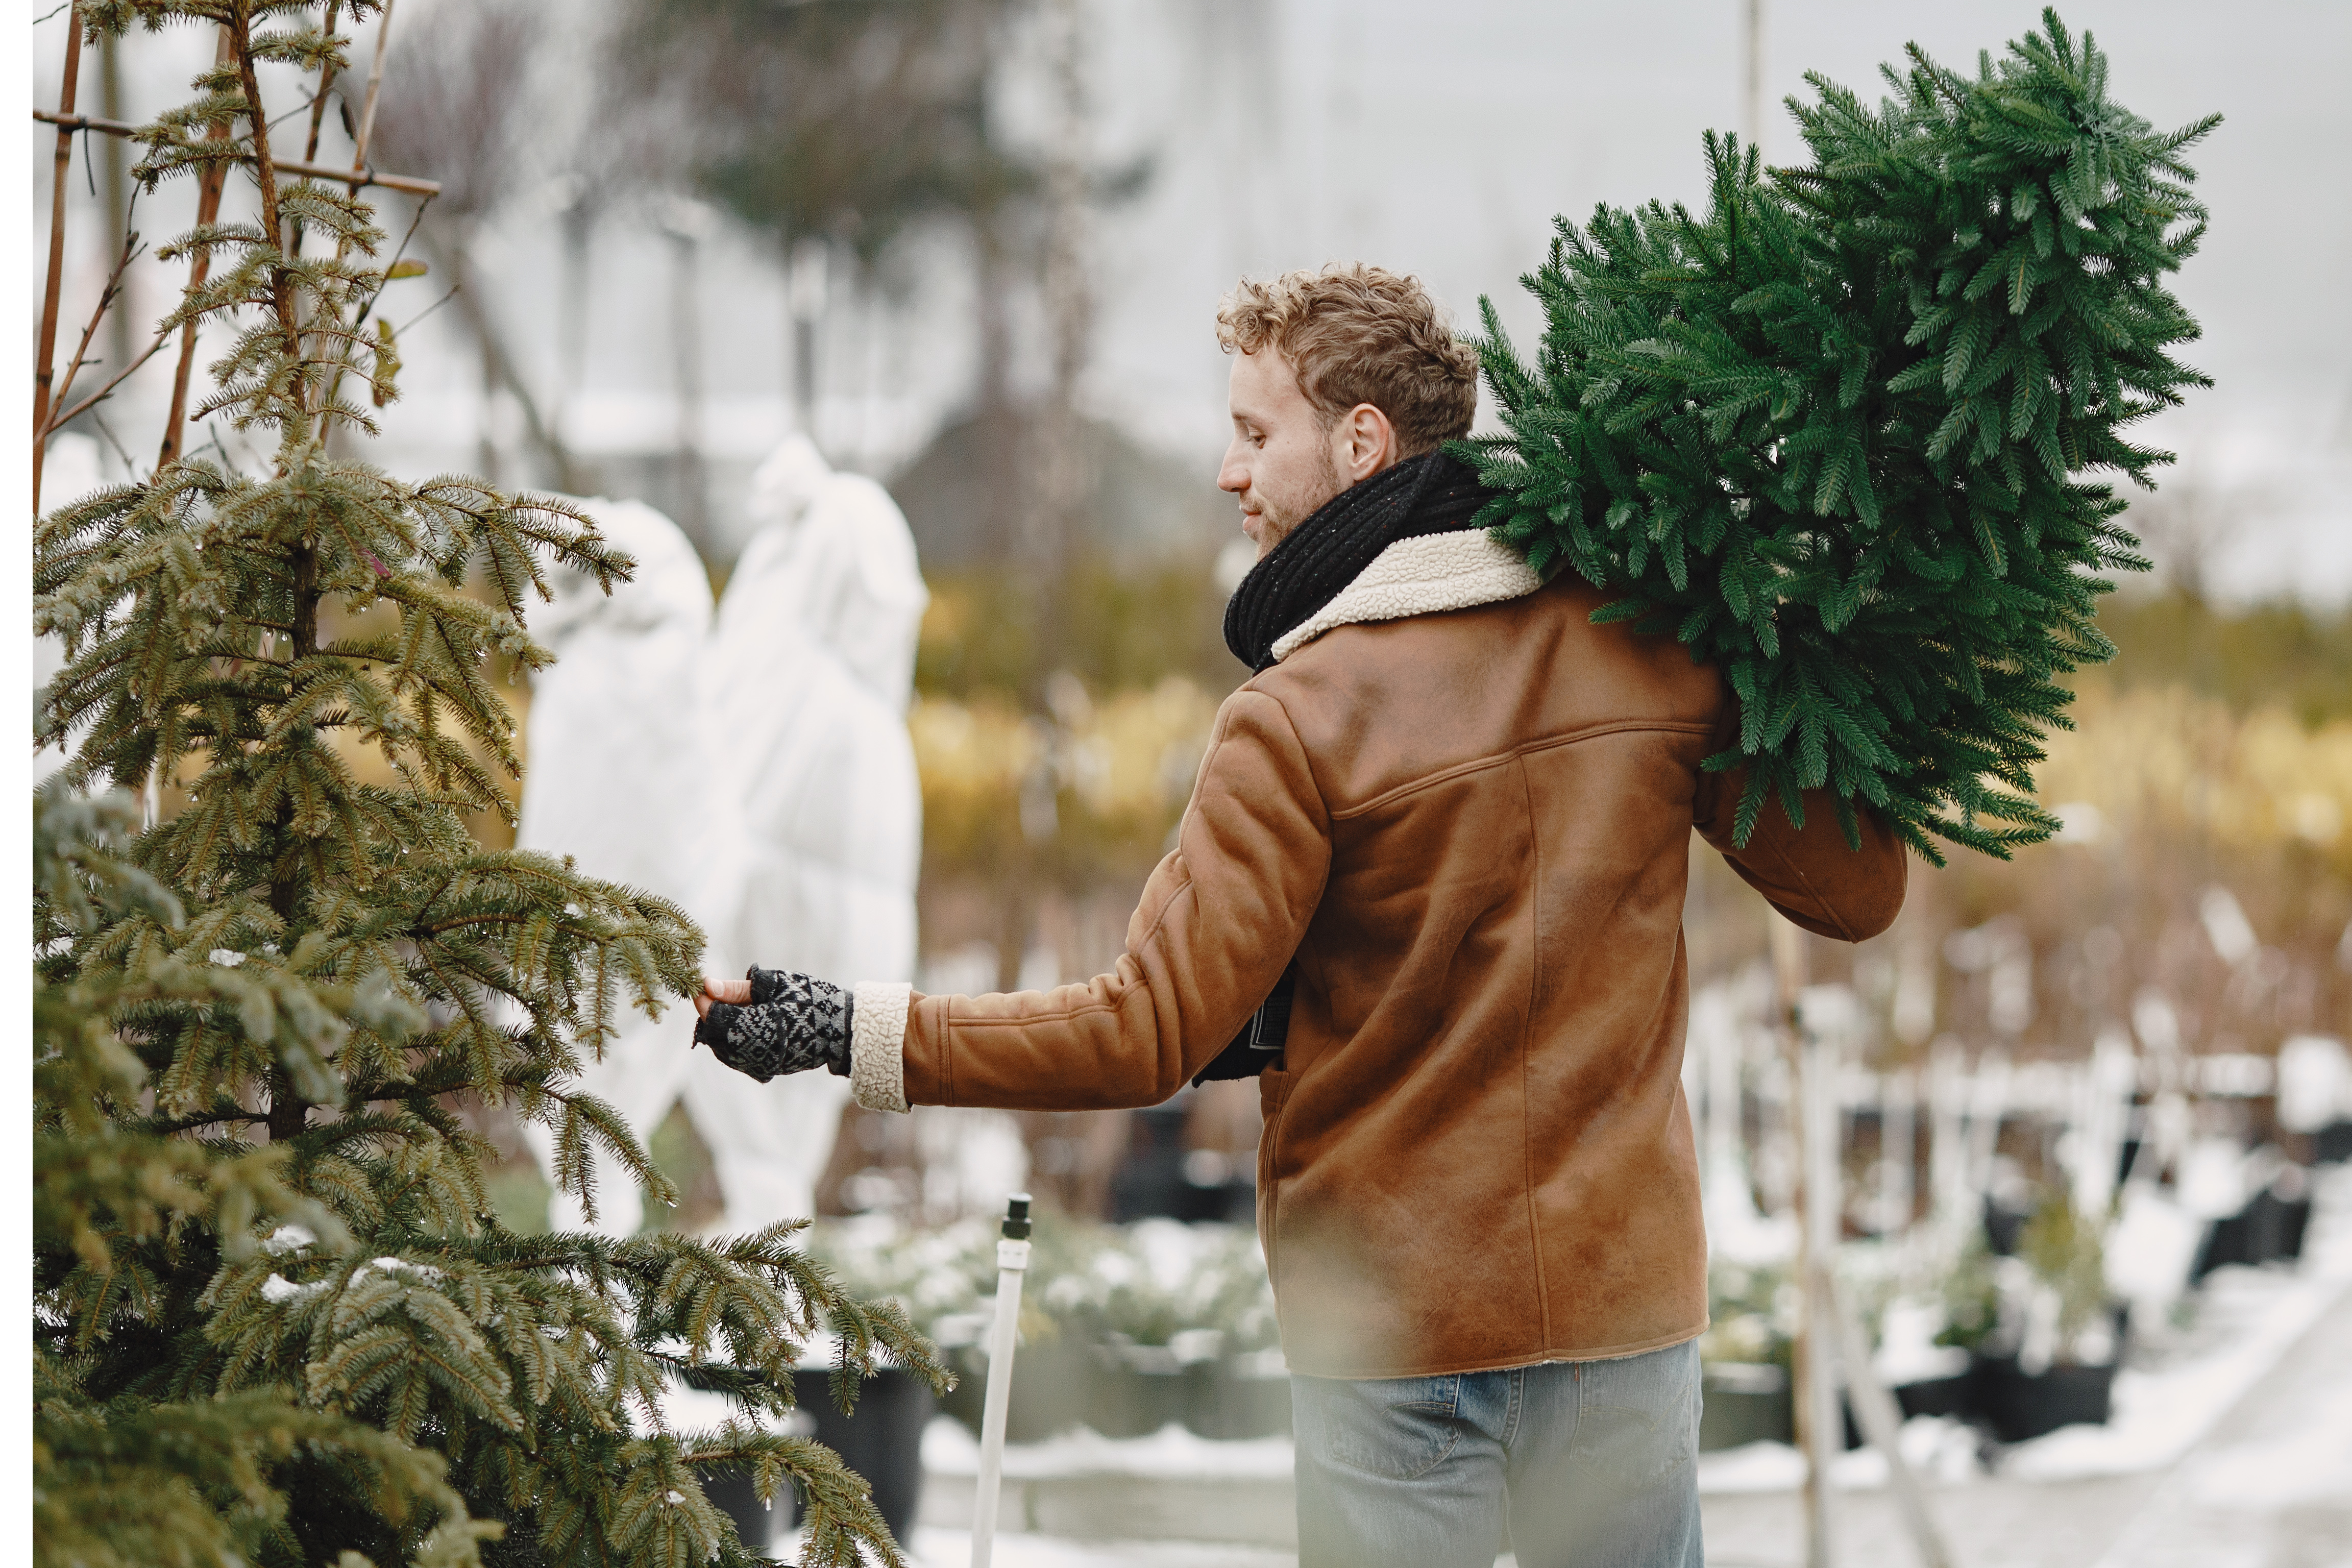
{"x": 838, "y": 129}
{"x": 457, "y": 99}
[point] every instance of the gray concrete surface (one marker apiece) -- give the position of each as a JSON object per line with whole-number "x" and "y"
{"x": 2270, "y": 1486}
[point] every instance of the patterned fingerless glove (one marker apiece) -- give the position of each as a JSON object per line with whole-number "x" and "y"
{"x": 795, "y": 1023}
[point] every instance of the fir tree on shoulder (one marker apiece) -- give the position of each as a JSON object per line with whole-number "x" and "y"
{"x": 1833, "y": 434}
{"x": 276, "y": 1319}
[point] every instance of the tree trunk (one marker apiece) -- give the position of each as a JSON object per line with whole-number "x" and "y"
{"x": 686, "y": 349}
{"x": 499, "y": 365}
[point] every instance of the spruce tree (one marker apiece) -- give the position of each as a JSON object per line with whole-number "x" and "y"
{"x": 1832, "y": 432}
{"x": 276, "y": 1319}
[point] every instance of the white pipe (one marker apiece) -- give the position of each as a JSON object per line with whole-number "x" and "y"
{"x": 1012, "y": 1262}
{"x": 1820, "y": 1128}
{"x": 1899, "y": 1151}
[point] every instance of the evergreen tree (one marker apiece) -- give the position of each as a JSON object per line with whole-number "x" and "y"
{"x": 1829, "y": 435}
{"x": 127, "y": 1482}
{"x": 275, "y": 1320}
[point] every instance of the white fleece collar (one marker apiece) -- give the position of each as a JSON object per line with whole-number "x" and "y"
{"x": 1420, "y": 576}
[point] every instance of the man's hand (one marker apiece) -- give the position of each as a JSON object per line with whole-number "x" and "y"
{"x": 734, "y": 993}
{"x": 775, "y": 1021}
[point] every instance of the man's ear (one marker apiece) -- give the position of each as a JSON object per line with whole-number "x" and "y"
{"x": 1363, "y": 442}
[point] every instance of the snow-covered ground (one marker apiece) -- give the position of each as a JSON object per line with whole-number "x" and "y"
{"x": 2246, "y": 1320}
{"x": 2230, "y": 1447}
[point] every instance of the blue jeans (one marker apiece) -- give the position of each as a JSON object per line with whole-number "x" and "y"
{"x": 1591, "y": 1463}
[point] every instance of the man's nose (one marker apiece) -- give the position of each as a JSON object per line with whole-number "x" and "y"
{"x": 1233, "y": 475}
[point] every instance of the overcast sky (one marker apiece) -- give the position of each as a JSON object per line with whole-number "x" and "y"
{"x": 1442, "y": 139}
{"x": 1439, "y": 139}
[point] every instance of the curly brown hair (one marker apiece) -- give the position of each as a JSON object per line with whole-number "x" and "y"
{"x": 1358, "y": 334}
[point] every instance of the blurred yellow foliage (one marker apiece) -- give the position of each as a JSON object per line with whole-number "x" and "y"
{"x": 2156, "y": 757}
{"x": 1105, "y": 779}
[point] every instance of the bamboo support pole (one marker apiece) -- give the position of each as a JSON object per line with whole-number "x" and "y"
{"x": 1881, "y": 1420}
{"x": 1820, "y": 1428}
{"x": 81, "y": 350}
{"x": 354, "y": 176}
{"x": 42, "y": 368}
{"x": 208, "y": 200}
{"x": 114, "y": 193}
{"x": 360, "y": 176}
{"x": 1751, "y": 117}
{"x": 367, "y": 106}
{"x": 326, "y": 84}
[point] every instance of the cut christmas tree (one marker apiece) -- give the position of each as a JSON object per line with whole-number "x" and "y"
{"x": 276, "y": 1319}
{"x": 1836, "y": 434}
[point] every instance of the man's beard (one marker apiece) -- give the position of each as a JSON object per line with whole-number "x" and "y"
{"x": 1280, "y": 522}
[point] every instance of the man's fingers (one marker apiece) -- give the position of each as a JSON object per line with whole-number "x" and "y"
{"x": 702, "y": 1005}
{"x": 737, "y": 992}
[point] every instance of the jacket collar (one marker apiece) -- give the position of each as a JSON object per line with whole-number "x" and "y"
{"x": 1431, "y": 493}
{"x": 1421, "y": 576}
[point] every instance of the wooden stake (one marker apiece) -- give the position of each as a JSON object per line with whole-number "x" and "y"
{"x": 367, "y": 106}
{"x": 42, "y": 368}
{"x": 113, "y": 192}
{"x": 265, "y": 176}
{"x": 326, "y": 82}
{"x": 208, "y": 200}
{"x": 1820, "y": 1428}
{"x": 352, "y": 177}
{"x": 81, "y": 350}
{"x": 1881, "y": 1422}
{"x": 1752, "y": 99}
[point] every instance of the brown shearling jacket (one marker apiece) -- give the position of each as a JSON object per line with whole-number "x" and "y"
{"x": 1467, "y": 810}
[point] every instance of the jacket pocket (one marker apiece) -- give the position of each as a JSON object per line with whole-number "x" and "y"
{"x": 1273, "y": 1089}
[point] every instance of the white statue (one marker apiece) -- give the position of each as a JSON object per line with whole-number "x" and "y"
{"x": 758, "y": 772}
{"x": 806, "y": 689}
{"x": 615, "y": 778}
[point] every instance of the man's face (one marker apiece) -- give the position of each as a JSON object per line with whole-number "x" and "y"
{"x": 1281, "y": 465}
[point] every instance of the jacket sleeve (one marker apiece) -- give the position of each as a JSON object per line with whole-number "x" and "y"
{"x": 1809, "y": 874}
{"x": 1220, "y": 919}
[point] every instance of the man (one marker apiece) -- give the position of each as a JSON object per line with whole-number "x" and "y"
{"x": 1454, "y": 815}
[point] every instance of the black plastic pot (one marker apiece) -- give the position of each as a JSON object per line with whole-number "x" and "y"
{"x": 1156, "y": 1179}
{"x": 2293, "y": 1223}
{"x": 1135, "y": 1391}
{"x": 731, "y": 1493}
{"x": 881, "y": 1439}
{"x": 1953, "y": 1395}
{"x": 1224, "y": 1402}
{"x": 2017, "y": 1404}
{"x": 2002, "y": 1227}
{"x": 1053, "y": 1390}
{"x": 2332, "y": 1144}
{"x": 1745, "y": 1402}
{"x": 2269, "y": 1227}
{"x": 882, "y": 1442}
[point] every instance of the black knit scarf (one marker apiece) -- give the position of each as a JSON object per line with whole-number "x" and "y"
{"x": 1428, "y": 494}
